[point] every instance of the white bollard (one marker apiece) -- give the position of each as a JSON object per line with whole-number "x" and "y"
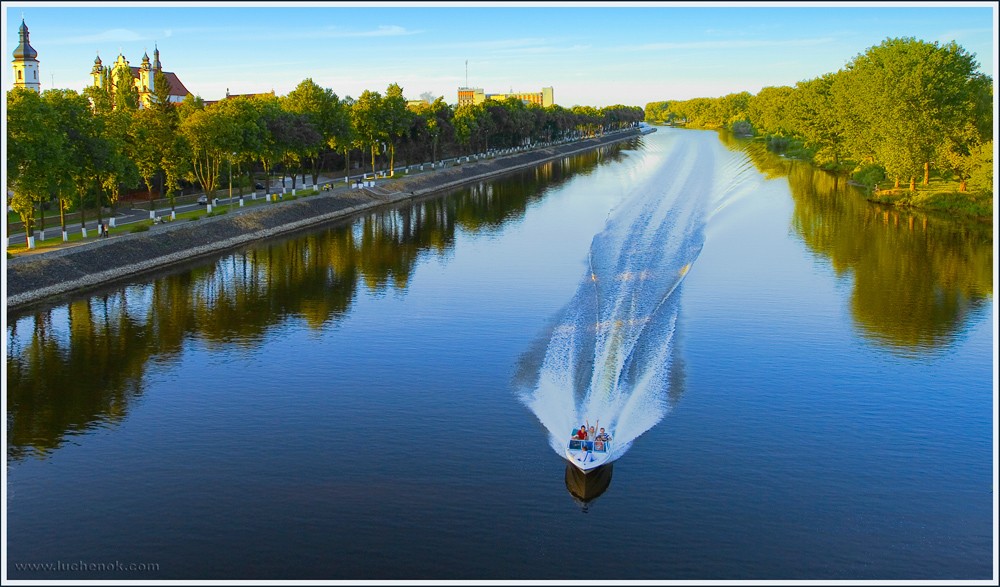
{"x": 31, "y": 242}
{"x": 208, "y": 208}
{"x": 65, "y": 236}
{"x": 241, "y": 202}
{"x": 173, "y": 215}
{"x": 41, "y": 235}
{"x": 83, "y": 231}
{"x": 152, "y": 215}
{"x": 113, "y": 222}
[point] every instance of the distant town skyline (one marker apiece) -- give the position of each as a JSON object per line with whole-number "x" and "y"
{"x": 593, "y": 54}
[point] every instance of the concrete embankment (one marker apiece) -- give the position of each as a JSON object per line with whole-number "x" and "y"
{"x": 50, "y": 275}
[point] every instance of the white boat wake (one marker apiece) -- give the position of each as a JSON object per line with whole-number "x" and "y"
{"x": 609, "y": 356}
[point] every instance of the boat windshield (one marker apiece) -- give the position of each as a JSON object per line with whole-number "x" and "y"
{"x": 594, "y": 445}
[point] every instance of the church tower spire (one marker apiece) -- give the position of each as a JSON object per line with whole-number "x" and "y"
{"x": 25, "y": 62}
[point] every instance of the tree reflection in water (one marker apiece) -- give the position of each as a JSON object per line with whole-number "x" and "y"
{"x": 918, "y": 277}
{"x": 78, "y": 366}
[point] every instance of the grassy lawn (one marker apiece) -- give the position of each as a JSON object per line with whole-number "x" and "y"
{"x": 55, "y": 240}
{"x": 54, "y": 234}
{"x": 939, "y": 195}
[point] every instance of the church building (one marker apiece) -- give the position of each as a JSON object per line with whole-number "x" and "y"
{"x": 26, "y": 74}
{"x": 144, "y": 77}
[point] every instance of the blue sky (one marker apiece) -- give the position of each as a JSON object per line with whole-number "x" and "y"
{"x": 593, "y": 54}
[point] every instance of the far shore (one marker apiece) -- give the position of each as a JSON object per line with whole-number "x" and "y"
{"x": 53, "y": 275}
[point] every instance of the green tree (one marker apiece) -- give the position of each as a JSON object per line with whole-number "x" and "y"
{"x": 768, "y": 110}
{"x": 35, "y": 151}
{"x": 208, "y": 136}
{"x": 903, "y": 98}
{"x": 126, "y": 96}
{"x": 246, "y": 132}
{"x": 369, "y": 123}
{"x": 466, "y": 122}
{"x": 396, "y": 118}
{"x": 815, "y": 118}
{"x": 325, "y": 112}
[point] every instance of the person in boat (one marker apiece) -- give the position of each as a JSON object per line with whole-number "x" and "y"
{"x": 601, "y": 440}
{"x": 585, "y": 455}
{"x": 591, "y": 433}
{"x": 581, "y": 434}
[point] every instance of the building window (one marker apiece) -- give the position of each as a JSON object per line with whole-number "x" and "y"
{"x": 19, "y": 75}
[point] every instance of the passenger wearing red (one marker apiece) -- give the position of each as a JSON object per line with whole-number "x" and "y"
{"x": 581, "y": 434}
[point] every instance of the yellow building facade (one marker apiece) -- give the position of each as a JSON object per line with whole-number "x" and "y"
{"x": 543, "y": 98}
{"x": 143, "y": 76}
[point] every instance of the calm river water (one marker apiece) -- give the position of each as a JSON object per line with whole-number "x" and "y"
{"x": 799, "y": 383}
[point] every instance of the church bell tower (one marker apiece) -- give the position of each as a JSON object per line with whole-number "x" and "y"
{"x": 25, "y": 62}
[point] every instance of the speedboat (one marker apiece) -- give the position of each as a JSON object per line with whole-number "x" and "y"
{"x": 587, "y": 455}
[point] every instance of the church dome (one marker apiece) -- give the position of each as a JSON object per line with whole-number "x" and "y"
{"x": 24, "y": 49}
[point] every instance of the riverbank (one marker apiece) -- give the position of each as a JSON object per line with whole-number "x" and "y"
{"x": 53, "y": 274}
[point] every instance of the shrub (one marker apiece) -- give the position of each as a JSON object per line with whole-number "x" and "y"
{"x": 777, "y": 144}
{"x": 869, "y": 175}
{"x": 981, "y": 177}
{"x": 743, "y": 128}
{"x": 141, "y": 228}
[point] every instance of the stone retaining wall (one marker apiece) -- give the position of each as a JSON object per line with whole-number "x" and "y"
{"x": 42, "y": 276}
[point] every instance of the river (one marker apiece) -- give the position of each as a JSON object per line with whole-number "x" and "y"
{"x": 799, "y": 385}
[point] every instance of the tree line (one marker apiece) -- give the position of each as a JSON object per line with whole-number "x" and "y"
{"x": 895, "y": 112}
{"x": 85, "y": 150}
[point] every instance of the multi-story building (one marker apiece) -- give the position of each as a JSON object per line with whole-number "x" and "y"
{"x": 478, "y": 96}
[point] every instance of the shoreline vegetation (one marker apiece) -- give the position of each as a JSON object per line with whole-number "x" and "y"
{"x": 911, "y": 122}
{"x": 52, "y": 275}
{"x": 88, "y": 152}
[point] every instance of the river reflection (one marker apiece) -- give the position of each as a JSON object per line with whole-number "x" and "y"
{"x": 917, "y": 278}
{"x": 75, "y": 367}
{"x": 586, "y": 487}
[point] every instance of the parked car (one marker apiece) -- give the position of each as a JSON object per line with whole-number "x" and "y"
{"x": 203, "y": 200}
{"x": 258, "y": 186}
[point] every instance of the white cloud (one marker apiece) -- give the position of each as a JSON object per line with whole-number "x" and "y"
{"x": 108, "y": 36}
{"x": 730, "y": 44}
{"x": 380, "y": 31}
{"x": 543, "y": 49}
